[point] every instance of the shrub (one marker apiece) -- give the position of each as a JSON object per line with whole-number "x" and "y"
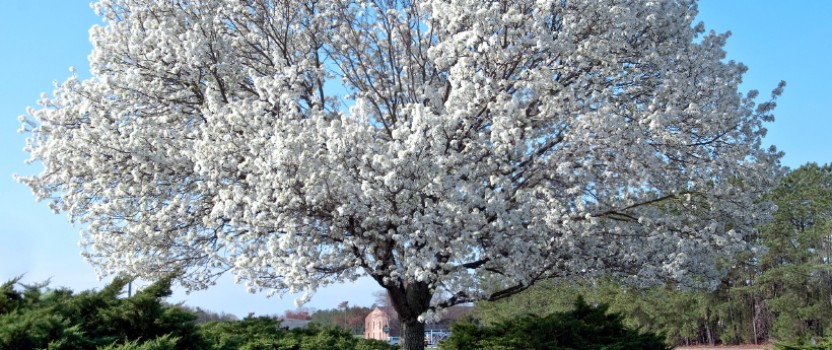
{"x": 164, "y": 342}
{"x": 585, "y": 327}
{"x": 806, "y": 344}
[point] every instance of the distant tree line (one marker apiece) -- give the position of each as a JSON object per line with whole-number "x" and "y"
{"x": 780, "y": 292}
{"x": 350, "y": 318}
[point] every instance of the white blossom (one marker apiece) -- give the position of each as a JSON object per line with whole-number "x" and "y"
{"x": 489, "y": 144}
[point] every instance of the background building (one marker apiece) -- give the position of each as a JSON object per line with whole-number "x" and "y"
{"x": 380, "y": 324}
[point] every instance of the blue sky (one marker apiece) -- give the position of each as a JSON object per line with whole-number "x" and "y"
{"x": 40, "y": 40}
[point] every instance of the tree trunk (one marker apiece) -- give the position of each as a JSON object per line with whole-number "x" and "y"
{"x": 754, "y": 319}
{"x": 708, "y": 332}
{"x": 411, "y": 300}
{"x": 413, "y": 335}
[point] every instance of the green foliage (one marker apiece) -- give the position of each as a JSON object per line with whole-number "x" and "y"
{"x": 584, "y": 327}
{"x": 795, "y": 279}
{"x": 164, "y": 342}
{"x": 328, "y": 338}
{"x": 33, "y": 330}
{"x": 372, "y": 344}
{"x": 40, "y": 318}
{"x": 806, "y": 344}
{"x": 35, "y": 317}
{"x": 351, "y": 318}
{"x": 542, "y": 299}
{"x": 248, "y": 333}
{"x": 679, "y": 315}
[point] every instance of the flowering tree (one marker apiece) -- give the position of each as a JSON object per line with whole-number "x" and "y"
{"x": 453, "y": 150}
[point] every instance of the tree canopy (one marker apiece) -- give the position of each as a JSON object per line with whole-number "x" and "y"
{"x": 453, "y": 150}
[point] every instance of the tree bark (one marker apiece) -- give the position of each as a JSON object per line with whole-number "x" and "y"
{"x": 708, "y": 332}
{"x": 411, "y": 300}
{"x": 754, "y": 319}
{"x": 413, "y": 335}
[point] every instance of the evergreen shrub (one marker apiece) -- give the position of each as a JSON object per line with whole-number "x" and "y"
{"x": 585, "y": 327}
